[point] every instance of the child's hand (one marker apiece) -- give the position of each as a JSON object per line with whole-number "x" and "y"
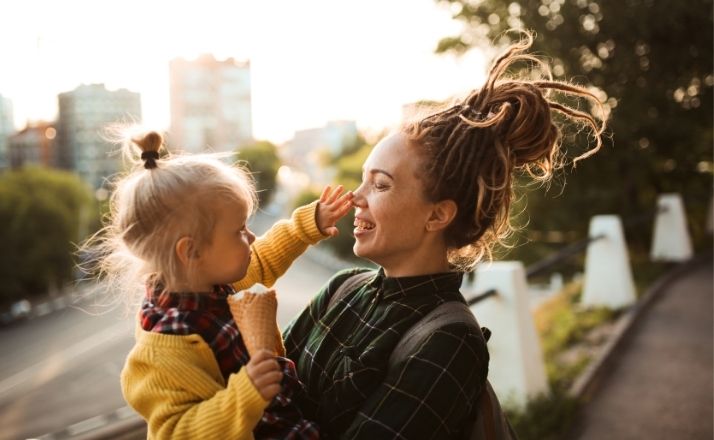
{"x": 331, "y": 208}
{"x": 264, "y": 371}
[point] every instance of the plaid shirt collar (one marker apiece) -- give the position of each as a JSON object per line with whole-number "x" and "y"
{"x": 399, "y": 287}
{"x": 215, "y": 300}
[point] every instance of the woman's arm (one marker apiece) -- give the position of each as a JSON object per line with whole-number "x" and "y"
{"x": 431, "y": 394}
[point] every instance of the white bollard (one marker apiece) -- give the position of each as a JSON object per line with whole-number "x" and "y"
{"x": 608, "y": 276}
{"x": 516, "y": 369}
{"x": 670, "y": 241}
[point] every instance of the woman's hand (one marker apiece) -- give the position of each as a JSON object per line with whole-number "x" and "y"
{"x": 332, "y": 207}
{"x": 263, "y": 370}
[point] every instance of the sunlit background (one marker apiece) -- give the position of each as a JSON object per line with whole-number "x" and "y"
{"x": 301, "y": 91}
{"x": 310, "y": 62}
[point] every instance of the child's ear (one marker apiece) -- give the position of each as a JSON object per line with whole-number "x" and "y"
{"x": 186, "y": 250}
{"x": 441, "y": 215}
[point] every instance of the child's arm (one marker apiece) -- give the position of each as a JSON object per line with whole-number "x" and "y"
{"x": 180, "y": 395}
{"x": 274, "y": 252}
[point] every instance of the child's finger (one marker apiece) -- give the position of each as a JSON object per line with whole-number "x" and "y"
{"x": 332, "y": 231}
{"x": 325, "y": 193}
{"x": 266, "y": 367}
{"x": 337, "y": 206}
{"x": 268, "y": 379}
{"x": 343, "y": 209}
{"x": 349, "y": 195}
{"x": 261, "y": 355}
{"x": 259, "y": 365}
{"x": 334, "y": 194}
{"x": 269, "y": 392}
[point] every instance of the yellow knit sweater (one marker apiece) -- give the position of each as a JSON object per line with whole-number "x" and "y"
{"x": 174, "y": 381}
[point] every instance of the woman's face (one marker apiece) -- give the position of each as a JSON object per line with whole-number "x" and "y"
{"x": 391, "y": 209}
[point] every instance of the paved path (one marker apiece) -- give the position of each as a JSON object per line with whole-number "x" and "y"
{"x": 659, "y": 384}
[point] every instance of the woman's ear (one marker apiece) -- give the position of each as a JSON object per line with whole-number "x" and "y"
{"x": 186, "y": 250}
{"x": 441, "y": 215}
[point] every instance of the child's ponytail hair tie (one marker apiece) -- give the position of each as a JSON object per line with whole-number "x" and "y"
{"x": 150, "y": 144}
{"x": 149, "y": 158}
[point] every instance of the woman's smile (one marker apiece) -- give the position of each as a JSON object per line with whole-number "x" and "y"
{"x": 362, "y": 227}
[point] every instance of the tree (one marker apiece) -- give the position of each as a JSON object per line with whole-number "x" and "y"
{"x": 44, "y": 214}
{"x": 263, "y": 162}
{"x": 652, "y": 64}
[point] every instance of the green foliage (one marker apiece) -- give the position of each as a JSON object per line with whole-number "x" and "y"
{"x": 263, "y": 161}
{"x": 305, "y": 197}
{"x": 353, "y": 146}
{"x": 349, "y": 167}
{"x": 652, "y": 61}
{"x": 546, "y": 417}
{"x": 44, "y": 214}
{"x": 563, "y": 325}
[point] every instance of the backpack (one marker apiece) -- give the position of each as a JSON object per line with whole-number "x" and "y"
{"x": 489, "y": 421}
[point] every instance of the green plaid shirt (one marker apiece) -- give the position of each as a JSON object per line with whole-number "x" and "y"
{"x": 342, "y": 355}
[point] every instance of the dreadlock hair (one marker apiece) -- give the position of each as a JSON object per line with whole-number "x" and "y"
{"x": 470, "y": 151}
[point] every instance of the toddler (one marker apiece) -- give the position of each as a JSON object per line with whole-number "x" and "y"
{"x": 179, "y": 224}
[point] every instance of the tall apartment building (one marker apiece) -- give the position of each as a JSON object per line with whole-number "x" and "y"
{"x": 33, "y": 145}
{"x": 306, "y": 150}
{"x": 210, "y": 104}
{"x": 7, "y": 128}
{"x": 84, "y": 114}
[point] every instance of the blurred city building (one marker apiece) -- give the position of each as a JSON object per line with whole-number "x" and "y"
{"x": 6, "y": 129}
{"x": 309, "y": 149}
{"x": 33, "y": 145}
{"x": 84, "y": 114}
{"x": 210, "y": 104}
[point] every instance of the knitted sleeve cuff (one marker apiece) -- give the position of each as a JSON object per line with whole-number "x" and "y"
{"x": 305, "y": 220}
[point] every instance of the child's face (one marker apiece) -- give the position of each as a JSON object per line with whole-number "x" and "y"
{"x": 225, "y": 260}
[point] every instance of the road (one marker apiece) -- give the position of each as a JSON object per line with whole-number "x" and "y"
{"x": 62, "y": 369}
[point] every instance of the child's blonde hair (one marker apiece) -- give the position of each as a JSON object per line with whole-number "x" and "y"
{"x": 160, "y": 200}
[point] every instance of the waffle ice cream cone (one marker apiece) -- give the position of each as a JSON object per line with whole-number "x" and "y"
{"x": 255, "y": 315}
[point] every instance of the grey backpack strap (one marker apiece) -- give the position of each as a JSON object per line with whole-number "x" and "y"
{"x": 445, "y": 313}
{"x": 348, "y": 286}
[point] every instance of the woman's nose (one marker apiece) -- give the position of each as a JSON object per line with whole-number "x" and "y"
{"x": 358, "y": 199}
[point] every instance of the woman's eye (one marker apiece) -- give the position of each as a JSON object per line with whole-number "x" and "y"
{"x": 379, "y": 186}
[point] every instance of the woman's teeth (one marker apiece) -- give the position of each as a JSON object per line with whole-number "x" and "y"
{"x": 363, "y": 225}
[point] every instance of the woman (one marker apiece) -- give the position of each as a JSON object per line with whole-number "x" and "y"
{"x": 434, "y": 199}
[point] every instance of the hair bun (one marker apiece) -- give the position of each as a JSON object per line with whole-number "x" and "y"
{"x": 525, "y": 127}
{"x": 151, "y": 141}
{"x": 149, "y": 144}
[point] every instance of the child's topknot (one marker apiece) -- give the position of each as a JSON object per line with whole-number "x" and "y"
{"x": 149, "y": 144}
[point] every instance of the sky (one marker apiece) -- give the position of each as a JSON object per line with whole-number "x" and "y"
{"x": 311, "y": 61}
